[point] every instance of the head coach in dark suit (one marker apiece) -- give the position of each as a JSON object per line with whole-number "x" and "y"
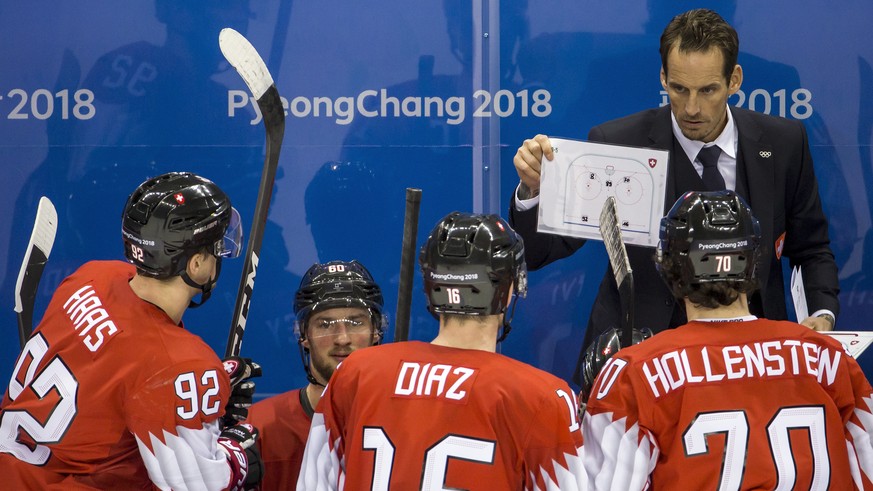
{"x": 712, "y": 146}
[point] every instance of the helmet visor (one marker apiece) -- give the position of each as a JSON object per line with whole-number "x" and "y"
{"x": 231, "y": 244}
{"x": 351, "y": 325}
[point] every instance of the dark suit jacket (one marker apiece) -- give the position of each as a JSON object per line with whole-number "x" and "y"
{"x": 774, "y": 174}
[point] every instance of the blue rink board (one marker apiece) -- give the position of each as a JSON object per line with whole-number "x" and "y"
{"x": 94, "y": 98}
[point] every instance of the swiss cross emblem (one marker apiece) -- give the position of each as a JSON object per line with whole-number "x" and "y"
{"x": 653, "y": 163}
{"x": 179, "y": 198}
{"x": 780, "y": 242}
{"x": 230, "y": 365}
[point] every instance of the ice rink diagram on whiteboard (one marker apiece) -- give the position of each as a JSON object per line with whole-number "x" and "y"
{"x": 582, "y": 175}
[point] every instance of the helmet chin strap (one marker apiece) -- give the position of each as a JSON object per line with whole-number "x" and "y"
{"x": 205, "y": 289}
{"x": 507, "y": 319}
{"x": 304, "y": 355}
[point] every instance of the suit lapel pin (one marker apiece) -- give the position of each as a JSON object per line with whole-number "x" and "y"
{"x": 765, "y": 154}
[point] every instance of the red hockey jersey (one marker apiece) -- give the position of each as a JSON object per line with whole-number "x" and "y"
{"x": 414, "y": 415}
{"x": 742, "y": 404}
{"x": 109, "y": 393}
{"x": 284, "y": 425}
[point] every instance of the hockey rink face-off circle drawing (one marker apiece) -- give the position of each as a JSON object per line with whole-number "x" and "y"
{"x": 583, "y": 175}
{"x": 590, "y": 176}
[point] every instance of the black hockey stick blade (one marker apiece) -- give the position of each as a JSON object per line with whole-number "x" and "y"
{"x": 610, "y": 230}
{"x": 240, "y": 53}
{"x": 407, "y": 264}
{"x": 42, "y": 238}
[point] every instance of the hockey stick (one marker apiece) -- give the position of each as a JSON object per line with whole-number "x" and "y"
{"x": 610, "y": 230}
{"x": 38, "y": 250}
{"x": 407, "y": 264}
{"x": 248, "y": 63}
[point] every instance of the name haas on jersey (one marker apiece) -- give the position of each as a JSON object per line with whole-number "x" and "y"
{"x": 434, "y": 380}
{"x": 89, "y": 318}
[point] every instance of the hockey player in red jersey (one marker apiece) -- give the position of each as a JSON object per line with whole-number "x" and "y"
{"x": 451, "y": 414}
{"x": 339, "y": 310}
{"x": 110, "y": 391}
{"x": 727, "y": 401}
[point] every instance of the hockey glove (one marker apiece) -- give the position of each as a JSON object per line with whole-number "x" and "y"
{"x": 238, "y": 443}
{"x": 240, "y": 371}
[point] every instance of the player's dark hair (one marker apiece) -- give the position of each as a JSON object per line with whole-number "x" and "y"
{"x": 700, "y": 30}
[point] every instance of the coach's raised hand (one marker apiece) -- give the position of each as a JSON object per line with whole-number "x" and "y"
{"x": 527, "y": 163}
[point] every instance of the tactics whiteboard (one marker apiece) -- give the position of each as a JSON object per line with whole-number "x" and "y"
{"x": 576, "y": 183}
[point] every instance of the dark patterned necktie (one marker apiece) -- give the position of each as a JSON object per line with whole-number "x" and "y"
{"x": 712, "y": 178}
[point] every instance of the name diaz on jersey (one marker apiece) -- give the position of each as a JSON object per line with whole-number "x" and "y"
{"x": 434, "y": 380}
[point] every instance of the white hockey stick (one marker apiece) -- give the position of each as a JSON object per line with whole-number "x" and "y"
{"x": 251, "y": 67}
{"x": 38, "y": 251}
{"x": 610, "y": 230}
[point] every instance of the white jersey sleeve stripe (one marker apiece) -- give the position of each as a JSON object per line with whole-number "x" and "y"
{"x": 187, "y": 461}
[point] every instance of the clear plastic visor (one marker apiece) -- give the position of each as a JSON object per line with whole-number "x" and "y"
{"x": 231, "y": 244}
{"x": 354, "y": 324}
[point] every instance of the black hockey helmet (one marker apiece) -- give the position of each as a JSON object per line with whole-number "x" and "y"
{"x": 469, "y": 263}
{"x": 709, "y": 237}
{"x": 600, "y": 351}
{"x": 338, "y": 284}
{"x": 171, "y": 217}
